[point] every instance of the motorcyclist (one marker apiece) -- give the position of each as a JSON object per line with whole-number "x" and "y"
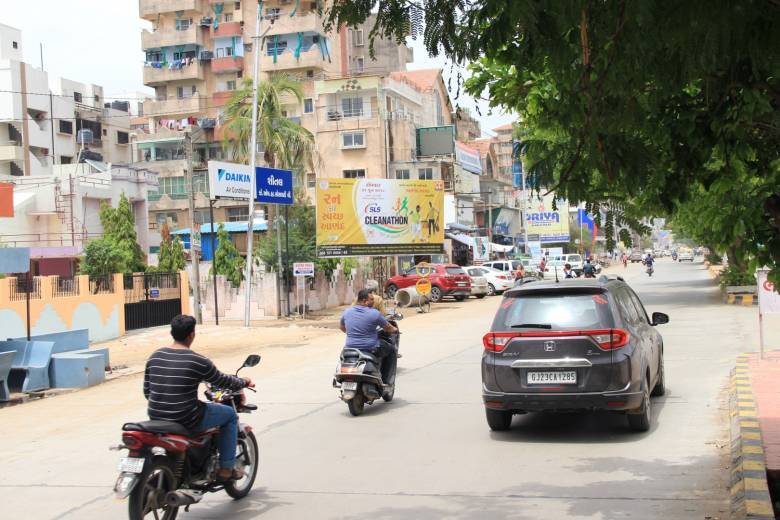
{"x": 567, "y": 271}
{"x": 377, "y": 301}
{"x": 649, "y": 261}
{"x": 362, "y": 323}
{"x": 171, "y": 380}
{"x": 588, "y": 270}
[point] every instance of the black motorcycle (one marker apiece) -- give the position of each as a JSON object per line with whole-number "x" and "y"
{"x": 169, "y": 467}
{"x": 363, "y": 377}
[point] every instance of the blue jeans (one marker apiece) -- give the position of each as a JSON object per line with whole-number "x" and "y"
{"x": 227, "y": 420}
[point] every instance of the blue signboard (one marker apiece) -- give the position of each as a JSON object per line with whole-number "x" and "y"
{"x": 14, "y": 260}
{"x": 273, "y": 186}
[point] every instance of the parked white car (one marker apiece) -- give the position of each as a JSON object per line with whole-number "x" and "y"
{"x": 479, "y": 284}
{"x": 498, "y": 281}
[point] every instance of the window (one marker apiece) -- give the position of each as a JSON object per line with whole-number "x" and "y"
{"x": 276, "y": 48}
{"x": 97, "y": 98}
{"x": 308, "y": 106}
{"x": 105, "y": 132}
{"x": 227, "y": 17}
{"x": 237, "y": 6}
{"x": 425, "y": 174}
{"x": 122, "y": 137}
{"x": 561, "y": 311}
{"x": 201, "y": 216}
{"x": 359, "y": 64}
{"x": 172, "y": 186}
{"x": 311, "y": 180}
{"x": 352, "y": 106}
{"x": 626, "y": 307}
{"x": 162, "y": 218}
{"x": 66, "y": 159}
{"x": 231, "y": 84}
{"x": 180, "y": 92}
{"x": 640, "y": 309}
{"x": 239, "y": 214}
{"x": 15, "y": 45}
{"x": 402, "y": 174}
{"x": 200, "y": 183}
{"x": 77, "y": 97}
{"x": 66, "y": 127}
{"x": 358, "y": 37}
{"x": 355, "y": 174}
{"x": 353, "y": 139}
{"x": 310, "y": 73}
{"x": 183, "y": 24}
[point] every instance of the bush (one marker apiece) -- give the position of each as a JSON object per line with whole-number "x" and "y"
{"x": 714, "y": 258}
{"x": 734, "y": 277}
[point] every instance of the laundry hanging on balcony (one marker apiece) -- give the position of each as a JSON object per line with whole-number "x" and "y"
{"x": 323, "y": 48}
{"x": 276, "y": 46}
{"x": 297, "y": 52}
{"x": 295, "y": 9}
{"x": 217, "y": 8}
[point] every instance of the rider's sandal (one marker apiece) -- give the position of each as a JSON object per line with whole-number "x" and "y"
{"x": 236, "y": 474}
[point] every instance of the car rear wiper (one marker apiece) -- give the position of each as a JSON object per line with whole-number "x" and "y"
{"x": 532, "y": 326}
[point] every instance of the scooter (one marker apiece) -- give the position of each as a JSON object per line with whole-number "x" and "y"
{"x": 650, "y": 270}
{"x": 362, "y": 378}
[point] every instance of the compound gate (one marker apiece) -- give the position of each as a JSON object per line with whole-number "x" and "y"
{"x": 151, "y": 299}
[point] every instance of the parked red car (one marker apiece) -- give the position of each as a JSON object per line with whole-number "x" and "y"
{"x": 446, "y": 280}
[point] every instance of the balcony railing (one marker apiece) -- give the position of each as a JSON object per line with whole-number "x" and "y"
{"x": 286, "y": 24}
{"x": 188, "y": 105}
{"x": 149, "y": 9}
{"x": 170, "y": 37}
{"x": 158, "y": 73}
{"x": 309, "y": 59}
{"x": 227, "y": 29}
{"x": 227, "y": 65}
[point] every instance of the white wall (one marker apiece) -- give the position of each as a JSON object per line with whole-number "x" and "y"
{"x": 9, "y": 35}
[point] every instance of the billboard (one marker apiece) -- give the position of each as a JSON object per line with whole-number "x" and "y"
{"x": 381, "y": 217}
{"x": 435, "y": 140}
{"x": 273, "y": 186}
{"x": 551, "y": 225}
{"x": 230, "y": 180}
{"x": 468, "y": 158}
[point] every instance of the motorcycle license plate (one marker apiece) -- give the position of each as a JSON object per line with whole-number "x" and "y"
{"x": 131, "y": 465}
{"x": 349, "y": 386}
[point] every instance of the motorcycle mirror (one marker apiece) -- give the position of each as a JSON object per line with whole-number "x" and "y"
{"x": 251, "y": 361}
{"x": 398, "y": 316}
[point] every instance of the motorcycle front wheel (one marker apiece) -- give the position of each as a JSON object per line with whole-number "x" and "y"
{"x": 247, "y": 458}
{"x": 147, "y": 499}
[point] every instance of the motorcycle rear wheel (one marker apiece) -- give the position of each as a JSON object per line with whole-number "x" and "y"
{"x": 249, "y": 453}
{"x": 154, "y": 482}
{"x": 356, "y": 404}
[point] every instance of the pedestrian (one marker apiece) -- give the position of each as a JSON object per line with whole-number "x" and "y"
{"x": 430, "y": 219}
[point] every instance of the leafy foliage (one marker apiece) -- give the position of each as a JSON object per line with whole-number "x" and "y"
{"x": 644, "y": 106}
{"x": 171, "y": 255}
{"x": 227, "y": 260}
{"x": 118, "y": 250}
{"x": 732, "y": 276}
{"x": 102, "y": 258}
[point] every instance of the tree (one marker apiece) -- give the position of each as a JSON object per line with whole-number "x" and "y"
{"x": 644, "y": 106}
{"x": 227, "y": 260}
{"x": 171, "y": 255}
{"x": 119, "y": 246}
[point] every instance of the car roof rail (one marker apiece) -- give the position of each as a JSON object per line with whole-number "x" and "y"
{"x": 604, "y": 278}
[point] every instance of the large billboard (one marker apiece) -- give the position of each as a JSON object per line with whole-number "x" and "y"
{"x": 379, "y": 217}
{"x": 552, "y": 226}
{"x": 435, "y": 140}
{"x": 230, "y": 180}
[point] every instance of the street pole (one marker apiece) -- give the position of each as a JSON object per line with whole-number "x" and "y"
{"x": 279, "y": 260}
{"x": 579, "y": 218}
{"x": 525, "y": 213}
{"x": 213, "y": 257}
{"x": 194, "y": 239}
{"x": 253, "y": 164}
{"x": 287, "y": 255}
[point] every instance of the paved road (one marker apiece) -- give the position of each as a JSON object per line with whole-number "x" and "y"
{"x": 429, "y": 454}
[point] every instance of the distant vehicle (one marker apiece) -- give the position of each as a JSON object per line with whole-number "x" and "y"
{"x": 479, "y": 284}
{"x": 446, "y": 280}
{"x": 574, "y": 260}
{"x": 636, "y": 256}
{"x": 604, "y": 353}
{"x": 508, "y": 266}
{"x": 685, "y": 255}
{"x": 498, "y": 281}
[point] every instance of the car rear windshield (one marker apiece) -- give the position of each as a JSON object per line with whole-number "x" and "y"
{"x": 554, "y": 311}
{"x": 575, "y": 258}
{"x": 475, "y": 272}
{"x": 454, "y": 270}
{"x": 516, "y": 264}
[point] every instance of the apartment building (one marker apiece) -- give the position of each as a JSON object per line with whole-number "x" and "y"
{"x": 199, "y": 51}
{"x": 40, "y": 117}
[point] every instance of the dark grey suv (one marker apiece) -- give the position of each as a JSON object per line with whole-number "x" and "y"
{"x": 582, "y": 344}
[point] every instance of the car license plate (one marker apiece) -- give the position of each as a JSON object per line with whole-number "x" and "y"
{"x": 461, "y": 284}
{"x": 349, "y": 385}
{"x": 131, "y": 465}
{"x": 568, "y": 377}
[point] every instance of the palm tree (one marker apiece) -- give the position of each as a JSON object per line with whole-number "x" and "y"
{"x": 287, "y": 144}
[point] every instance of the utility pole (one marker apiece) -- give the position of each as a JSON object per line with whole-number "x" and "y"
{"x": 253, "y": 164}
{"x": 525, "y": 212}
{"x": 194, "y": 234}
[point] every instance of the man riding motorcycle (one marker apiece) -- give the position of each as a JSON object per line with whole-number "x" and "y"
{"x": 171, "y": 381}
{"x": 362, "y": 322}
{"x": 588, "y": 270}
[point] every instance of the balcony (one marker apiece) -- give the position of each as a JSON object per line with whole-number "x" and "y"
{"x": 286, "y": 24}
{"x": 189, "y": 105}
{"x": 227, "y": 29}
{"x": 10, "y": 152}
{"x": 171, "y": 37}
{"x": 158, "y": 76}
{"x": 227, "y": 65}
{"x": 149, "y": 9}
{"x": 311, "y": 59}
{"x": 221, "y": 98}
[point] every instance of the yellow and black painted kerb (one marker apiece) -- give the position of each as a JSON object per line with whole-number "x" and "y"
{"x": 741, "y": 299}
{"x": 749, "y": 490}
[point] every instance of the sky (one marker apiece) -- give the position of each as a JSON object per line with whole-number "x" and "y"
{"x": 99, "y": 41}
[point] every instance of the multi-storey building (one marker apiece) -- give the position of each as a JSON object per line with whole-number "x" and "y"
{"x": 199, "y": 51}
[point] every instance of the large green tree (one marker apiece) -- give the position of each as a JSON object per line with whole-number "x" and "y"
{"x": 171, "y": 255}
{"x": 640, "y": 106}
{"x": 118, "y": 249}
{"x": 227, "y": 260}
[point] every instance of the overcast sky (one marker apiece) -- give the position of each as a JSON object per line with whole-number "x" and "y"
{"x": 99, "y": 41}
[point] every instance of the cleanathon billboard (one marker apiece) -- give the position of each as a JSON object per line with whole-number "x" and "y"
{"x": 382, "y": 217}
{"x": 551, "y": 225}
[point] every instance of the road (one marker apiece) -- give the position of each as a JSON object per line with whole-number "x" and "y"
{"x": 428, "y": 454}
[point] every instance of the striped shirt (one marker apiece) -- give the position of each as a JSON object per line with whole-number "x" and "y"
{"x": 171, "y": 381}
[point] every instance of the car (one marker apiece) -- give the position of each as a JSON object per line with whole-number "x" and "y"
{"x": 532, "y": 268}
{"x": 685, "y": 255}
{"x": 574, "y": 345}
{"x": 498, "y": 281}
{"x": 479, "y": 284}
{"x": 446, "y": 280}
{"x": 511, "y": 267}
{"x": 636, "y": 256}
{"x": 559, "y": 261}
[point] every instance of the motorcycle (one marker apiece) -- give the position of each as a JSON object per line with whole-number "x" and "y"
{"x": 169, "y": 467}
{"x": 362, "y": 378}
{"x": 650, "y": 270}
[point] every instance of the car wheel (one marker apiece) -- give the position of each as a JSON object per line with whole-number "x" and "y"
{"x": 640, "y": 422}
{"x": 660, "y": 385}
{"x": 491, "y": 290}
{"x": 460, "y": 298}
{"x": 391, "y": 290}
{"x": 498, "y": 420}
{"x": 435, "y": 294}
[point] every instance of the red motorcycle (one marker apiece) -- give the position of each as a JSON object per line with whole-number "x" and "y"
{"x": 169, "y": 467}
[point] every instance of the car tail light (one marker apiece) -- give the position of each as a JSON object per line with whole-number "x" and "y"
{"x": 502, "y": 277}
{"x": 607, "y": 339}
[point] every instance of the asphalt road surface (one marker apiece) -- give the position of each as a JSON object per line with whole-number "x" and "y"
{"x": 429, "y": 453}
